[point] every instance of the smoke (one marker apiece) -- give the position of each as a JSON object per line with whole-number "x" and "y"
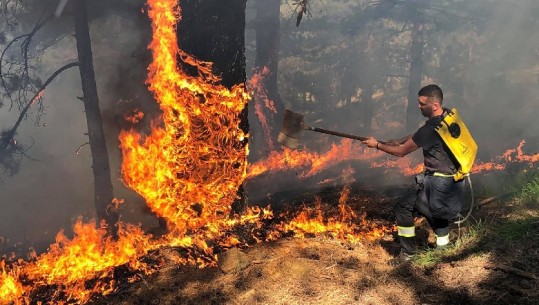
{"x": 329, "y": 67}
{"x": 54, "y": 185}
{"x": 484, "y": 56}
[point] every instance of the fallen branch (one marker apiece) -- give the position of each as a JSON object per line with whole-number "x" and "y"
{"x": 494, "y": 198}
{"x": 511, "y": 270}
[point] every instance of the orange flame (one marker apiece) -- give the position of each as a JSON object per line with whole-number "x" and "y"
{"x": 134, "y": 116}
{"x": 314, "y": 162}
{"x": 292, "y": 159}
{"x": 197, "y": 158}
{"x": 509, "y": 156}
{"x": 10, "y": 288}
{"x": 347, "y": 226}
{"x": 261, "y": 100}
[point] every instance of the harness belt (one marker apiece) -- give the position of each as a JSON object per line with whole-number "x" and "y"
{"x": 451, "y": 175}
{"x": 443, "y": 175}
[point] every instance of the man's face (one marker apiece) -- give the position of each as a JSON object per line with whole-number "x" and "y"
{"x": 425, "y": 106}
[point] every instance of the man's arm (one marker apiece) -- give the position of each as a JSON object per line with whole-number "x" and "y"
{"x": 394, "y": 142}
{"x": 397, "y": 150}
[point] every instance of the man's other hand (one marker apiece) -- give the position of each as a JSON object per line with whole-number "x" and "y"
{"x": 370, "y": 142}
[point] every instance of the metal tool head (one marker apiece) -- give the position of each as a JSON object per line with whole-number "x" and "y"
{"x": 290, "y": 133}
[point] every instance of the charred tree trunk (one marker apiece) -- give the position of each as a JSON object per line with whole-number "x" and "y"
{"x": 96, "y": 136}
{"x": 268, "y": 13}
{"x": 214, "y": 30}
{"x": 416, "y": 72}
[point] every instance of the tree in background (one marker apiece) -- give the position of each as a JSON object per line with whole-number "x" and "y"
{"x": 27, "y": 81}
{"x": 100, "y": 158}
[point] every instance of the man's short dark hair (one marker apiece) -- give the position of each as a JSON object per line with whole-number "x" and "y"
{"x": 432, "y": 91}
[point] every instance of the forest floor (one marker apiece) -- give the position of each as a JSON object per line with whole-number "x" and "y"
{"x": 494, "y": 260}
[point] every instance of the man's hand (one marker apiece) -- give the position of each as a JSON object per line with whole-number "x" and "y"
{"x": 370, "y": 142}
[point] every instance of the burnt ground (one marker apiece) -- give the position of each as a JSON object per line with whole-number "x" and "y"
{"x": 495, "y": 261}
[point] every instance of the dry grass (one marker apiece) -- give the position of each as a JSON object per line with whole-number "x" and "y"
{"x": 324, "y": 271}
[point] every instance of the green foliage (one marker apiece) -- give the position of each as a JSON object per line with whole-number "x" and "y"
{"x": 517, "y": 229}
{"x": 530, "y": 191}
{"x": 521, "y": 182}
{"x": 468, "y": 237}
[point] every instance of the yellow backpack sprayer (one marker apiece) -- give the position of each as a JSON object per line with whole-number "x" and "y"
{"x": 458, "y": 139}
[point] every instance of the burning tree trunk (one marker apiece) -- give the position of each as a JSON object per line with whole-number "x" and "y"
{"x": 416, "y": 71}
{"x": 267, "y": 56}
{"x": 100, "y": 160}
{"x": 214, "y": 30}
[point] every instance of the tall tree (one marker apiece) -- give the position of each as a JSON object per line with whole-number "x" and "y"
{"x": 100, "y": 158}
{"x": 267, "y": 56}
{"x": 214, "y": 30}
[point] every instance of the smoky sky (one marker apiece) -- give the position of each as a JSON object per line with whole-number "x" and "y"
{"x": 491, "y": 78}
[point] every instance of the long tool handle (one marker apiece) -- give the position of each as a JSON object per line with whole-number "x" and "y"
{"x": 335, "y": 133}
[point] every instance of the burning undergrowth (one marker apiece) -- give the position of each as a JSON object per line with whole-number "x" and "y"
{"x": 188, "y": 169}
{"x": 91, "y": 265}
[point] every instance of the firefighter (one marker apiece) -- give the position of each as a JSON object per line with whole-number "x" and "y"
{"x": 439, "y": 197}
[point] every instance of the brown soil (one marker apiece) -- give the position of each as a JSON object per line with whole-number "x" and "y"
{"x": 320, "y": 270}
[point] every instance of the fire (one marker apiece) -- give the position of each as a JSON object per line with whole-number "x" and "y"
{"x": 293, "y": 159}
{"x": 10, "y": 288}
{"x": 198, "y": 156}
{"x": 520, "y": 155}
{"x": 70, "y": 264}
{"x": 403, "y": 165}
{"x": 188, "y": 170}
{"x": 134, "y": 116}
{"x": 509, "y": 156}
{"x": 261, "y": 100}
{"x": 312, "y": 162}
{"x": 346, "y": 226}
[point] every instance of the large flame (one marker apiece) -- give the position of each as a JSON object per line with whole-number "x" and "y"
{"x": 197, "y": 157}
{"x": 188, "y": 169}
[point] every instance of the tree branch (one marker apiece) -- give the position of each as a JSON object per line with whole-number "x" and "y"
{"x": 9, "y": 135}
{"x": 25, "y": 45}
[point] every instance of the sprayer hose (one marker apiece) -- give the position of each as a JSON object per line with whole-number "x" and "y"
{"x": 461, "y": 220}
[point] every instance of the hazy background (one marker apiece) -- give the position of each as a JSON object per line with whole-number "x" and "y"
{"x": 485, "y": 58}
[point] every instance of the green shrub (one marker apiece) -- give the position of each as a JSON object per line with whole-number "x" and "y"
{"x": 530, "y": 191}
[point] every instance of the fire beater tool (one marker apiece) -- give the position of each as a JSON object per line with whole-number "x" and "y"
{"x": 294, "y": 124}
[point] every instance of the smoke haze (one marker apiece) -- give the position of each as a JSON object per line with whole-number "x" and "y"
{"x": 486, "y": 61}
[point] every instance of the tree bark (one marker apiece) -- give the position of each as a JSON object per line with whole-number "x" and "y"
{"x": 268, "y": 13}
{"x": 98, "y": 146}
{"x": 416, "y": 72}
{"x": 214, "y": 30}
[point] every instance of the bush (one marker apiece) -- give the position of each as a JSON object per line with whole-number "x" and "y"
{"x": 530, "y": 190}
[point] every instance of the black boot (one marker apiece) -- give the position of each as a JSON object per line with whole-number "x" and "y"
{"x": 407, "y": 251}
{"x": 400, "y": 259}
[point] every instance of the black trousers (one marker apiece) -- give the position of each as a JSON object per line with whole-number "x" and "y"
{"x": 438, "y": 199}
